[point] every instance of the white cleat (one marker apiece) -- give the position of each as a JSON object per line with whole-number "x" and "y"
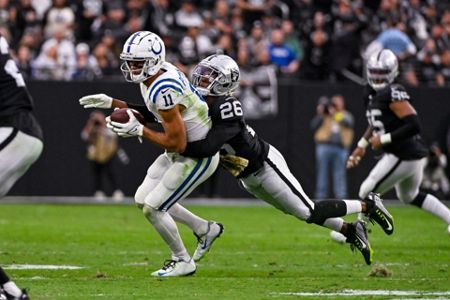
{"x": 338, "y": 237}
{"x": 205, "y": 242}
{"x": 174, "y": 268}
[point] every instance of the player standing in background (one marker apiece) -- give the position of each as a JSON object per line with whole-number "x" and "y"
{"x": 169, "y": 96}
{"x": 261, "y": 168}
{"x": 394, "y": 128}
{"x": 20, "y": 139}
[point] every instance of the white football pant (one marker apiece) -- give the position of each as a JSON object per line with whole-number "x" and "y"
{"x": 18, "y": 151}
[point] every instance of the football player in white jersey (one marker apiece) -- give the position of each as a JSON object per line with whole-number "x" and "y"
{"x": 173, "y": 101}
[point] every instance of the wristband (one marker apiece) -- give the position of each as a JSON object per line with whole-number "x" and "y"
{"x": 363, "y": 143}
{"x": 386, "y": 138}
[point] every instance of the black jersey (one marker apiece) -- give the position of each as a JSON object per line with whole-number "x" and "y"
{"x": 383, "y": 120}
{"x": 230, "y": 134}
{"x": 16, "y": 103}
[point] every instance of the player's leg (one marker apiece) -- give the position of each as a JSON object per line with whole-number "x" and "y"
{"x": 18, "y": 151}
{"x": 177, "y": 182}
{"x": 205, "y": 231}
{"x": 408, "y": 192}
{"x": 9, "y": 289}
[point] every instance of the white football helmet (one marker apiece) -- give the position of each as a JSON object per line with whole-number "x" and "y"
{"x": 382, "y": 68}
{"x": 216, "y": 75}
{"x": 143, "y": 55}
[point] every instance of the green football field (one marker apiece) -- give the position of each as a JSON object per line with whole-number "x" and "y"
{"x": 108, "y": 252}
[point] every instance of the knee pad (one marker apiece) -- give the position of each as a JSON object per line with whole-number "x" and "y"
{"x": 326, "y": 209}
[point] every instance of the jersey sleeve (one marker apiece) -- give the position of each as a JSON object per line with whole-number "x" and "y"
{"x": 398, "y": 93}
{"x": 166, "y": 93}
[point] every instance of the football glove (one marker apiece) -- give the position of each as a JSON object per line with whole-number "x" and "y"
{"x": 96, "y": 101}
{"x": 233, "y": 164}
{"x": 129, "y": 129}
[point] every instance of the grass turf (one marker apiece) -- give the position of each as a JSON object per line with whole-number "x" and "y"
{"x": 263, "y": 254}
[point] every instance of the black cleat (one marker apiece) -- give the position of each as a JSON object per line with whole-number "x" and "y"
{"x": 378, "y": 213}
{"x": 357, "y": 238}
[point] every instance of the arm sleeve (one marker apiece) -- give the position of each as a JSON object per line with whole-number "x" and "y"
{"x": 316, "y": 122}
{"x": 410, "y": 128}
{"x": 148, "y": 116}
{"x": 217, "y": 136}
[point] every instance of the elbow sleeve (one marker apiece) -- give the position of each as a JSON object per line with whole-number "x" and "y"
{"x": 410, "y": 128}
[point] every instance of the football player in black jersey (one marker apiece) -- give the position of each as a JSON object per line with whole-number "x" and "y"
{"x": 20, "y": 139}
{"x": 260, "y": 167}
{"x": 394, "y": 128}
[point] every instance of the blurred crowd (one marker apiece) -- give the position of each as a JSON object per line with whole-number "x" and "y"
{"x": 307, "y": 39}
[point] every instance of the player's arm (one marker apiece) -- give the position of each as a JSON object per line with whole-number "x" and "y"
{"x": 218, "y": 135}
{"x": 411, "y": 125}
{"x": 148, "y": 116}
{"x": 174, "y": 137}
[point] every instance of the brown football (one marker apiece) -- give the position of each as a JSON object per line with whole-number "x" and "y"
{"x": 121, "y": 115}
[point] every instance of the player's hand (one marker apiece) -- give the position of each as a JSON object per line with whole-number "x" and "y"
{"x": 233, "y": 164}
{"x": 355, "y": 157}
{"x": 96, "y": 101}
{"x": 129, "y": 129}
{"x": 375, "y": 141}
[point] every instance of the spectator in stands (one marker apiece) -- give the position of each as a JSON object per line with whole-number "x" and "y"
{"x": 291, "y": 38}
{"x": 253, "y": 10}
{"x": 102, "y": 147}
{"x": 193, "y": 47}
{"x": 162, "y": 20}
{"x": 225, "y": 44}
{"x": 333, "y": 135}
{"x": 281, "y": 55}
{"x": 443, "y": 77}
{"x": 60, "y": 17}
{"x": 221, "y": 17}
{"x": 65, "y": 52}
{"x": 428, "y": 63}
{"x": 315, "y": 64}
{"x": 86, "y": 64}
{"x": 257, "y": 41}
{"x": 188, "y": 15}
{"x": 114, "y": 24}
{"x": 23, "y": 61}
{"x": 87, "y": 12}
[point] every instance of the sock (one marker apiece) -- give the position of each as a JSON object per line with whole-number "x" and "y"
{"x": 436, "y": 207}
{"x": 3, "y": 277}
{"x": 167, "y": 229}
{"x": 334, "y": 224}
{"x": 184, "y": 216}
{"x": 11, "y": 288}
{"x": 353, "y": 206}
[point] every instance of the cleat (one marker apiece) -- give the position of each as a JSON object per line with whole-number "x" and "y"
{"x": 357, "y": 238}
{"x": 5, "y": 296}
{"x": 378, "y": 213}
{"x": 174, "y": 268}
{"x": 205, "y": 242}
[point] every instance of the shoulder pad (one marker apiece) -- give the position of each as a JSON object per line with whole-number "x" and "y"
{"x": 166, "y": 92}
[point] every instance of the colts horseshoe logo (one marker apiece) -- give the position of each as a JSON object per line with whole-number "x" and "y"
{"x": 156, "y": 50}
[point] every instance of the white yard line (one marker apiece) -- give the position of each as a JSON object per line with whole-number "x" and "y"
{"x": 41, "y": 267}
{"x": 357, "y": 293}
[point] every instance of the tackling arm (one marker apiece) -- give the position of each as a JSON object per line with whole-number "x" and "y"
{"x": 217, "y": 136}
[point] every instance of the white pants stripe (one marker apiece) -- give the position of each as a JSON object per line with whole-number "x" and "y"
{"x": 389, "y": 172}
{"x": 17, "y": 154}
{"x": 275, "y": 184}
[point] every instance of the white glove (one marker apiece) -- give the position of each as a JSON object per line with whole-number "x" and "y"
{"x": 96, "y": 101}
{"x": 129, "y": 129}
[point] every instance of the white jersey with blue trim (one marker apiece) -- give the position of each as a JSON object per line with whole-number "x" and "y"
{"x": 172, "y": 88}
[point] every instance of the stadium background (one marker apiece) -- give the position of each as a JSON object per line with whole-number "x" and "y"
{"x": 63, "y": 169}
